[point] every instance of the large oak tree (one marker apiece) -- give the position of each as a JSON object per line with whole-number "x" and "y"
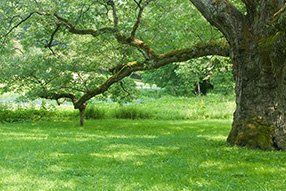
{"x": 258, "y": 52}
{"x": 255, "y": 35}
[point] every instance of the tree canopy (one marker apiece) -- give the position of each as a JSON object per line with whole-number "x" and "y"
{"x": 114, "y": 38}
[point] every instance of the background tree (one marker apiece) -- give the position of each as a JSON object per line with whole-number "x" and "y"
{"x": 195, "y": 77}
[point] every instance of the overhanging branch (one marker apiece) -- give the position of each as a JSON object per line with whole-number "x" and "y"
{"x": 57, "y": 96}
{"x": 72, "y": 29}
{"x": 199, "y": 50}
{"x": 121, "y": 38}
{"x": 222, "y": 14}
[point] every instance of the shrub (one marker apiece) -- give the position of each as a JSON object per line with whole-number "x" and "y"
{"x": 131, "y": 112}
{"x": 93, "y": 112}
{"x": 23, "y": 114}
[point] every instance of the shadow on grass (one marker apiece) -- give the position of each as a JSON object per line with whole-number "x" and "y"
{"x": 133, "y": 155}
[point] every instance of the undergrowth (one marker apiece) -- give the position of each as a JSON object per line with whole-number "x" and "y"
{"x": 165, "y": 108}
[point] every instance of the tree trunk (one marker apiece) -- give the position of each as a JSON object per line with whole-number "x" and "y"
{"x": 257, "y": 40}
{"x": 82, "y": 114}
{"x": 259, "y": 119}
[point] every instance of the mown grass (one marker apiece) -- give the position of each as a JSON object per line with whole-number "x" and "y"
{"x": 133, "y": 155}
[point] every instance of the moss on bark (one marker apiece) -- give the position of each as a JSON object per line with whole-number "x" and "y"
{"x": 254, "y": 134}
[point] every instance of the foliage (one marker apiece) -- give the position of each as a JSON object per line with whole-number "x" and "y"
{"x": 79, "y": 64}
{"x": 182, "y": 79}
{"x": 132, "y": 112}
{"x": 40, "y": 75}
{"x": 123, "y": 92}
{"x": 92, "y": 112}
{"x": 23, "y": 114}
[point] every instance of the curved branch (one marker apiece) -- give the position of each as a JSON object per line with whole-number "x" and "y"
{"x": 222, "y": 14}
{"x": 57, "y": 96}
{"x": 199, "y": 50}
{"x": 121, "y": 38}
{"x": 72, "y": 29}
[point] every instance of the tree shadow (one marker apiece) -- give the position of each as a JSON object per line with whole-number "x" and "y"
{"x": 134, "y": 155}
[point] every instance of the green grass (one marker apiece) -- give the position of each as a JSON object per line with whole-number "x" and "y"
{"x": 213, "y": 106}
{"x": 133, "y": 155}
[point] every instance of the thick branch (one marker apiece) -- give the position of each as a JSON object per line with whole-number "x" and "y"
{"x": 57, "y": 96}
{"x": 93, "y": 32}
{"x": 251, "y": 6}
{"x": 199, "y": 50}
{"x": 220, "y": 48}
{"x": 222, "y": 14}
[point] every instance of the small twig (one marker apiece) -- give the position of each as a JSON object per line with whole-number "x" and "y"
{"x": 125, "y": 90}
{"x": 82, "y": 12}
{"x": 114, "y": 13}
{"x": 50, "y": 43}
{"x": 18, "y": 24}
{"x": 139, "y": 16}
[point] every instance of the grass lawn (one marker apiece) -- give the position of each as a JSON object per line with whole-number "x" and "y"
{"x": 133, "y": 155}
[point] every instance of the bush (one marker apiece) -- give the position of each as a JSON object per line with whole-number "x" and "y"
{"x": 93, "y": 112}
{"x": 212, "y": 106}
{"x": 22, "y": 114}
{"x": 131, "y": 112}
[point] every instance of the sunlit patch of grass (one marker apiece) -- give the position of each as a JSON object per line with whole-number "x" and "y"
{"x": 133, "y": 155}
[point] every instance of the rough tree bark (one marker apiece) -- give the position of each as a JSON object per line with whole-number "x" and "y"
{"x": 259, "y": 59}
{"x": 259, "y": 119}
